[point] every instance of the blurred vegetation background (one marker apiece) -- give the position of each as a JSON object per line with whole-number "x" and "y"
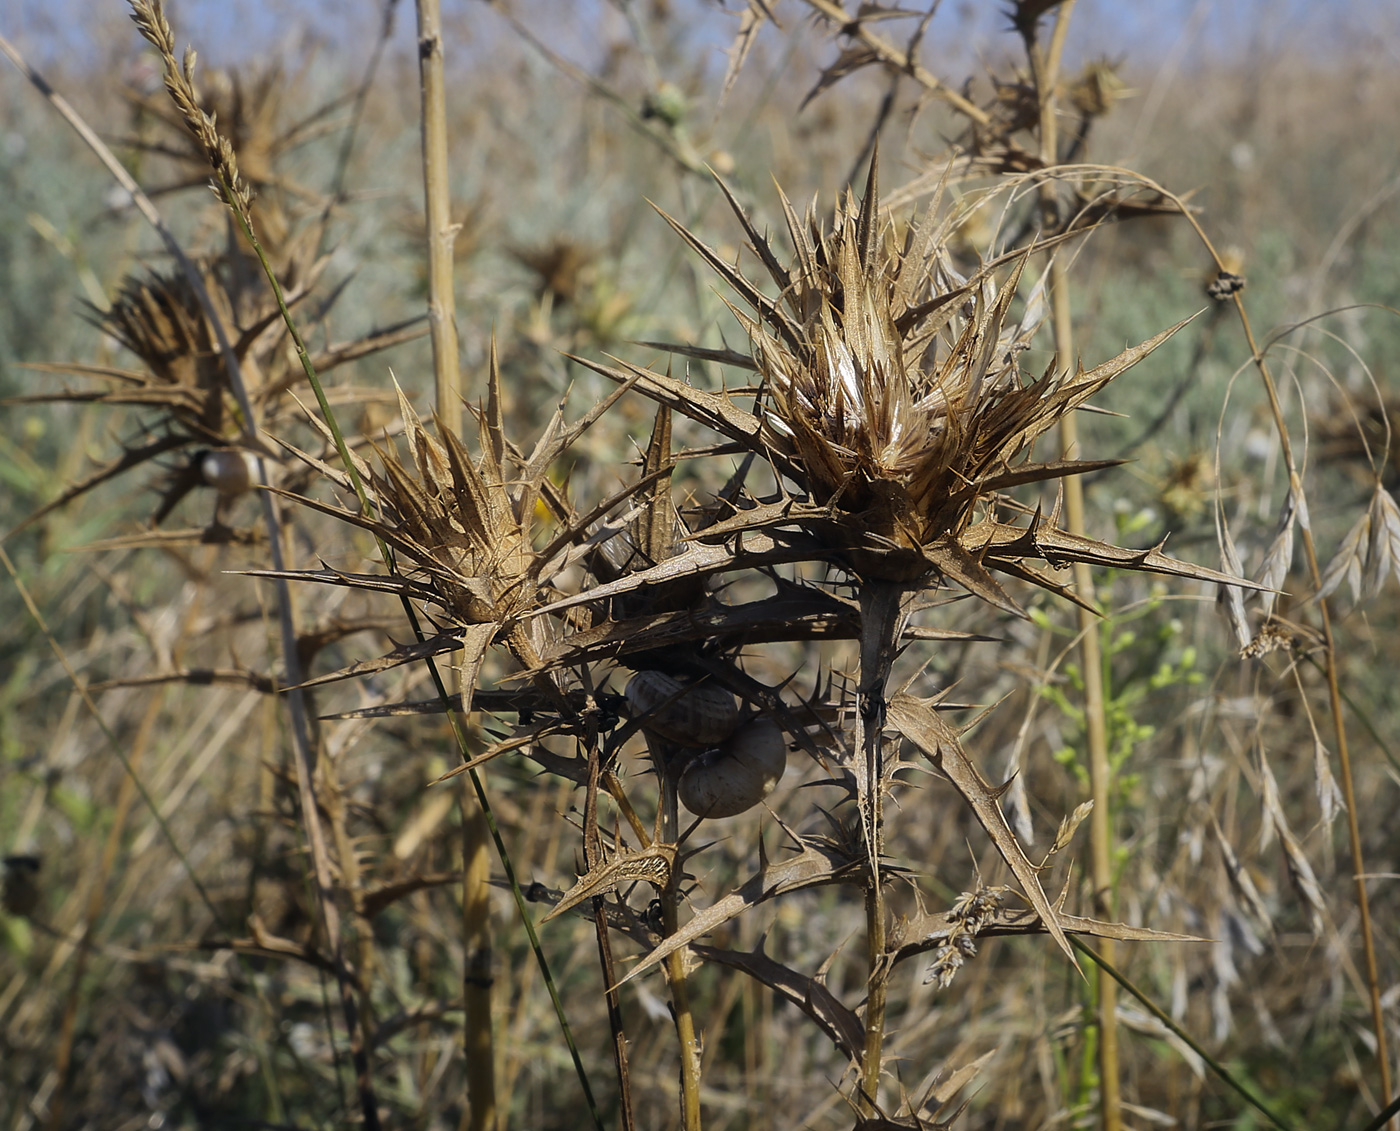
{"x": 566, "y": 121}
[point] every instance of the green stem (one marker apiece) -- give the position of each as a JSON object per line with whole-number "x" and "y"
{"x": 1045, "y": 66}
{"x": 675, "y": 962}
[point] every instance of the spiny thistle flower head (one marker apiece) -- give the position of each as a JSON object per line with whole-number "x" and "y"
{"x": 892, "y": 392}
{"x": 883, "y": 367}
{"x": 892, "y": 409}
{"x": 462, "y": 522}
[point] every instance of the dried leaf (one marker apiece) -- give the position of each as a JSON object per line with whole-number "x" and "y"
{"x": 998, "y": 541}
{"x": 653, "y": 865}
{"x": 701, "y": 560}
{"x": 941, "y": 746}
{"x": 1280, "y": 554}
{"x": 816, "y": 864}
{"x": 437, "y": 645}
{"x": 851, "y": 59}
{"x": 928, "y": 932}
{"x": 946, "y": 1087}
{"x": 1329, "y": 794}
{"x": 841, "y": 1025}
{"x": 751, "y": 21}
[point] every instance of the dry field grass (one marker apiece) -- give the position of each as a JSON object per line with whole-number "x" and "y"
{"x": 822, "y": 526}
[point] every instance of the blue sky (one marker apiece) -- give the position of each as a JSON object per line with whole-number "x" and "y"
{"x": 1143, "y": 31}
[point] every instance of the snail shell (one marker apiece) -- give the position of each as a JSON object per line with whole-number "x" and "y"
{"x": 737, "y": 774}
{"x": 228, "y": 470}
{"x": 701, "y": 714}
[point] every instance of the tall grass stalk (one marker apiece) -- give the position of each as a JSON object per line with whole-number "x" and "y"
{"x": 1259, "y": 357}
{"x": 235, "y": 193}
{"x": 1045, "y": 66}
{"x": 1334, "y": 695}
{"x": 441, "y": 232}
{"x": 479, "y": 1046}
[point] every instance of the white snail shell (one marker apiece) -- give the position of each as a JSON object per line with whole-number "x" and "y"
{"x": 737, "y": 774}
{"x": 697, "y": 715}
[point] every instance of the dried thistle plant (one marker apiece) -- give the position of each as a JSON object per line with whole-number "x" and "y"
{"x": 461, "y": 530}
{"x": 892, "y": 399}
{"x": 895, "y": 416}
{"x": 192, "y": 407}
{"x": 182, "y": 382}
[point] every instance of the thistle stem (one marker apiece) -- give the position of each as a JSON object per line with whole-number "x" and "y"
{"x": 675, "y": 962}
{"x": 882, "y": 620}
{"x": 593, "y": 858}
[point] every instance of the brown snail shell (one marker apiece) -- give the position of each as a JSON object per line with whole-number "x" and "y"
{"x": 736, "y": 775}
{"x": 228, "y": 470}
{"x": 696, "y": 715}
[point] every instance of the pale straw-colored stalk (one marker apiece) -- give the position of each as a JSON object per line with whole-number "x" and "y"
{"x": 478, "y": 1043}
{"x": 1045, "y": 64}
{"x": 1334, "y": 690}
{"x": 442, "y": 233}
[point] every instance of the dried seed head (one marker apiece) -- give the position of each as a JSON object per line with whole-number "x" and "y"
{"x": 895, "y": 400}
{"x": 1098, "y": 89}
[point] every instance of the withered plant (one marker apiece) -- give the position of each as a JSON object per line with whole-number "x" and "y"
{"x": 895, "y": 423}
{"x": 718, "y": 657}
{"x": 166, "y": 319}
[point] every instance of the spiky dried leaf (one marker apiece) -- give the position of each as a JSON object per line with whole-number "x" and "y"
{"x": 929, "y": 932}
{"x": 814, "y": 865}
{"x": 840, "y": 1024}
{"x": 939, "y": 743}
{"x": 653, "y": 864}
